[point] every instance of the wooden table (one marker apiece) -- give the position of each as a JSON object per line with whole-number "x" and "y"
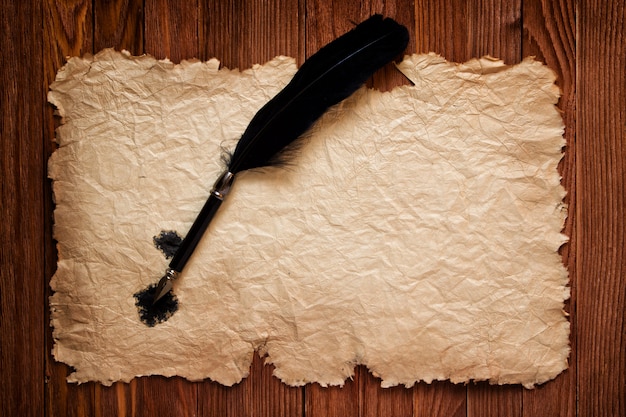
{"x": 583, "y": 41}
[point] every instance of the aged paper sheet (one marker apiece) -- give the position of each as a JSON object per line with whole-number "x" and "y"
{"x": 415, "y": 233}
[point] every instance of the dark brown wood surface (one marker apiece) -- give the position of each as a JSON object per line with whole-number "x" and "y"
{"x": 583, "y": 41}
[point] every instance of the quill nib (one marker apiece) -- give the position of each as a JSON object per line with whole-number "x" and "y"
{"x": 165, "y": 285}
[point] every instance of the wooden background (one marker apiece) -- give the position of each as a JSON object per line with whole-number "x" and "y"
{"x": 581, "y": 40}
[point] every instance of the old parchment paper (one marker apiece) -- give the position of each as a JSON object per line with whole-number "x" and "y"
{"x": 416, "y": 232}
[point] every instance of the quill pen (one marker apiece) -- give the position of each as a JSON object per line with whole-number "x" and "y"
{"x": 329, "y": 76}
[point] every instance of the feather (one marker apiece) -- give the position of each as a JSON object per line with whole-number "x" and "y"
{"x": 332, "y": 74}
{"x": 326, "y": 78}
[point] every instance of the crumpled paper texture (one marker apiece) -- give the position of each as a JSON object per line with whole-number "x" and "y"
{"x": 416, "y": 231}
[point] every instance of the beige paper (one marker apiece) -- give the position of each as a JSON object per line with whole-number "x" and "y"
{"x": 416, "y": 232}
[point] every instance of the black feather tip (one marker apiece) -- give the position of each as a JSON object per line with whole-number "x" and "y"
{"x": 326, "y": 78}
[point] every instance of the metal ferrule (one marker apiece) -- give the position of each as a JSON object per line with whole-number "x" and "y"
{"x": 223, "y": 184}
{"x": 170, "y": 274}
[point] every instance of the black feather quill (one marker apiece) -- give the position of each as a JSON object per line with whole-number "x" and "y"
{"x": 326, "y": 78}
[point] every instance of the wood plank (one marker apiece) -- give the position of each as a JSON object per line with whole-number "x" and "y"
{"x": 600, "y": 184}
{"x": 146, "y": 396}
{"x": 168, "y": 31}
{"x": 119, "y": 24}
{"x": 460, "y": 30}
{"x": 484, "y": 400}
{"x": 171, "y": 29}
{"x": 67, "y": 31}
{"x": 385, "y": 402}
{"x": 440, "y": 399}
{"x": 593, "y": 172}
{"x": 442, "y": 27}
{"x": 241, "y": 34}
{"x": 260, "y": 394}
{"x": 22, "y": 168}
{"x": 333, "y": 401}
{"x": 495, "y": 29}
{"x": 116, "y": 400}
{"x": 550, "y": 36}
{"x": 326, "y": 21}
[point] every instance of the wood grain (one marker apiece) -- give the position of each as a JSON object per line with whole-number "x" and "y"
{"x": 377, "y": 401}
{"x": 119, "y": 24}
{"x": 241, "y": 34}
{"x": 333, "y": 401}
{"x": 67, "y": 31}
{"x": 600, "y": 186}
{"x": 259, "y": 394}
{"x": 581, "y": 40}
{"x": 22, "y": 209}
{"x": 485, "y": 400}
{"x": 361, "y": 396}
{"x": 171, "y": 29}
{"x": 440, "y": 399}
{"x": 460, "y": 30}
{"x": 549, "y": 35}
